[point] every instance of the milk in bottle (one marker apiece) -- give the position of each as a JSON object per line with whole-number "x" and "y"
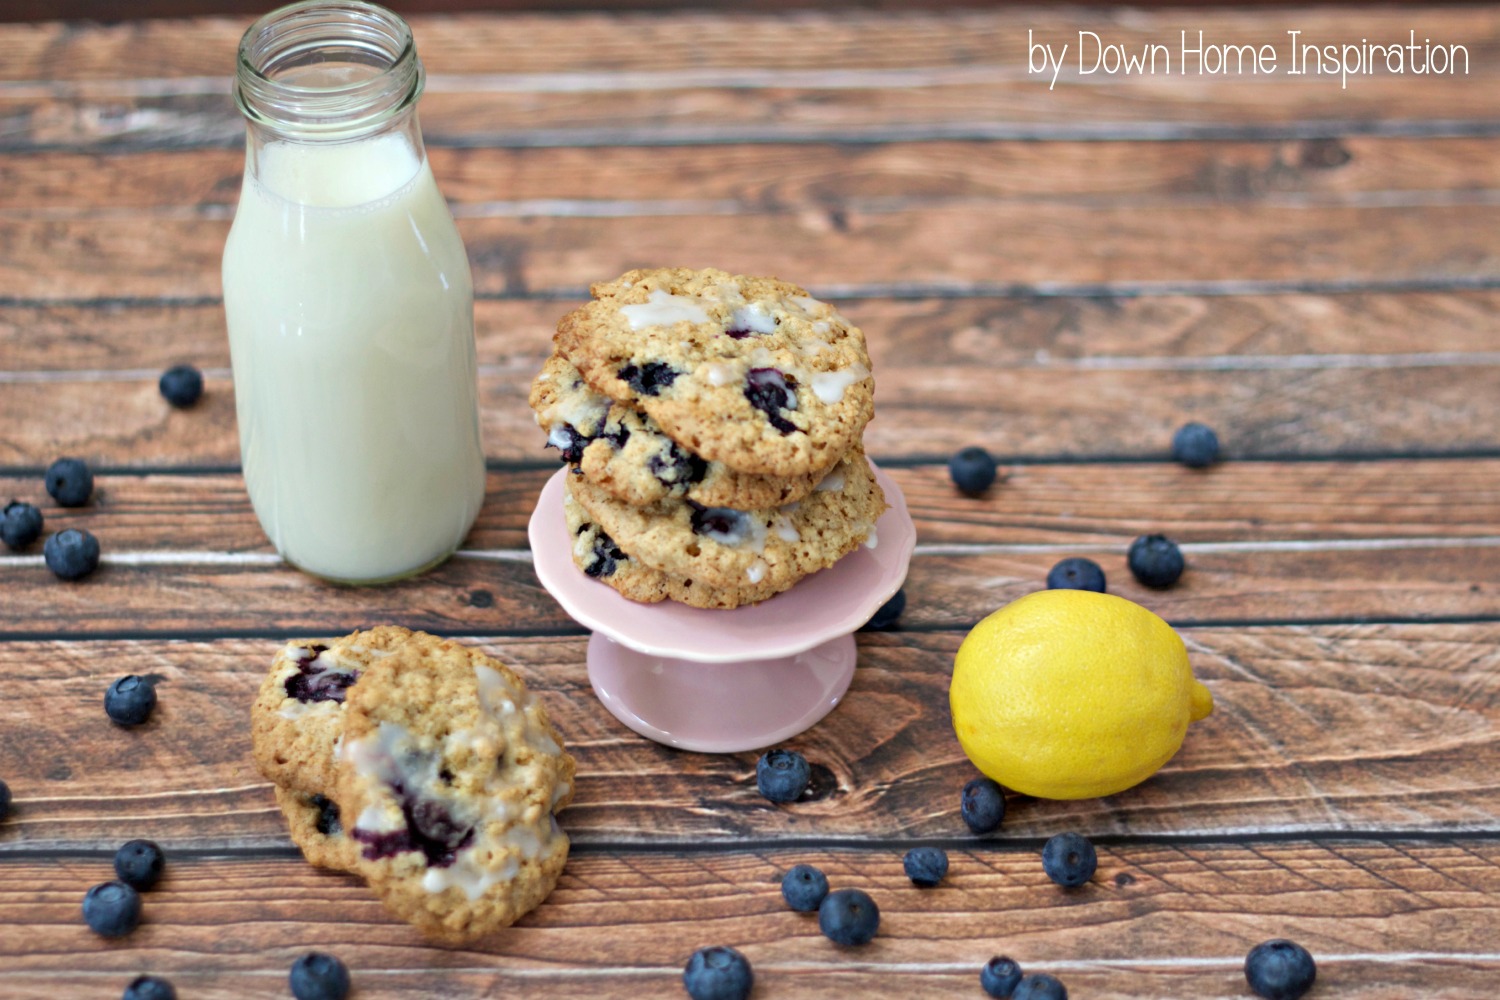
{"x": 349, "y": 304}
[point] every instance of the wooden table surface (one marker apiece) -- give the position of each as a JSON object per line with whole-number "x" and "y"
{"x": 1064, "y": 276}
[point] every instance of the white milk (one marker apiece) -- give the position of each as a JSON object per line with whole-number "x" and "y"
{"x": 350, "y": 312}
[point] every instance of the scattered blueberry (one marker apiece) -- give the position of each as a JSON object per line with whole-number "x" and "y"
{"x": 926, "y": 866}
{"x": 569, "y": 443}
{"x": 129, "y": 700}
{"x": 888, "y": 614}
{"x": 1069, "y": 859}
{"x": 1076, "y": 573}
{"x": 605, "y": 558}
{"x": 1155, "y": 560}
{"x": 1280, "y": 970}
{"x": 139, "y": 864}
{"x": 803, "y": 888}
{"x": 1040, "y": 986}
{"x": 181, "y": 385}
{"x": 650, "y": 378}
{"x": 848, "y": 916}
{"x": 317, "y": 682}
{"x": 21, "y": 525}
{"x": 769, "y": 391}
{"x": 782, "y": 775}
{"x": 327, "y": 823}
{"x": 112, "y": 909}
{"x": 973, "y": 470}
{"x": 4, "y": 801}
{"x": 1195, "y": 445}
{"x": 1000, "y": 977}
{"x": 70, "y": 482}
{"x": 718, "y": 974}
{"x": 318, "y": 976}
{"x": 982, "y": 805}
{"x": 149, "y": 988}
{"x": 71, "y": 554}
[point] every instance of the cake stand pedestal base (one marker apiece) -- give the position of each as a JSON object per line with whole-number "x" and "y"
{"x": 720, "y": 707}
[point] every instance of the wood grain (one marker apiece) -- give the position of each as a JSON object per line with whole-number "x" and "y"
{"x": 1203, "y": 906}
{"x": 690, "y": 40}
{"x": 1438, "y": 405}
{"x": 949, "y": 588}
{"x": 1209, "y": 332}
{"x": 985, "y": 244}
{"x": 745, "y": 177}
{"x": 1317, "y": 730}
{"x": 1045, "y": 504}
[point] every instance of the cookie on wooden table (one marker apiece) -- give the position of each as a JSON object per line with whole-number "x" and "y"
{"x": 746, "y": 371}
{"x": 450, "y": 775}
{"x": 731, "y": 550}
{"x": 297, "y": 715}
{"x": 626, "y": 453}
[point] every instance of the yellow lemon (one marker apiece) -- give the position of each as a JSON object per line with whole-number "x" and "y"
{"x": 1069, "y": 694}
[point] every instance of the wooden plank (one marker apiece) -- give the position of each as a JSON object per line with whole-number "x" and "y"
{"x": 894, "y": 107}
{"x": 749, "y": 177}
{"x": 922, "y": 411}
{"x": 210, "y": 594}
{"x": 1318, "y": 730}
{"x": 692, "y": 40}
{"x": 982, "y": 243}
{"x": 1057, "y": 505}
{"x": 1184, "y": 916}
{"x": 1206, "y": 332}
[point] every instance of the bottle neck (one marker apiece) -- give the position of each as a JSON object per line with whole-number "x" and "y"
{"x": 328, "y": 71}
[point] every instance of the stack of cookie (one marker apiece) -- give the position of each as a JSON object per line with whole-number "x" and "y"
{"x": 421, "y": 765}
{"x": 713, "y": 422}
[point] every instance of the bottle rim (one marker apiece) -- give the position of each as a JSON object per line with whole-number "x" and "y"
{"x": 303, "y": 34}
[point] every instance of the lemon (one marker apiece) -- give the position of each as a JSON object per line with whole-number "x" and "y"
{"x": 1069, "y": 694}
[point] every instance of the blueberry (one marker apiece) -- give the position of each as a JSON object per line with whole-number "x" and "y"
{"x": 21, "y": 525}
{"x": 650, "y": 378}
{"x": 982, "y": 805}
{"x": 605, "y": 558}
{"x": 4, "y": 801}
{"x": 1155, "y": 560}
{"x": 972, "y": 470}
{"x": 327, "y": 823}
{"x": 130, "y": 699}
{"x": 926, "y": 866}
{"x": 1040, "y": 986}
{"x": 803, "y": 888}
{"x": 1195, "y": 445}
{"x": 848, "y": 916}
{"x": 724, "y": 525}
{"x": 1069, "y": 859}
{"x": 569, "y": 443}
{"x": 1076, "y": 573}
{"x": 677, "y": 467}
{"x": 1280, "y": 970}
{"x": 139, "y": 864}
{"x": 782, "y": 775}
{"x": 769, "y": 391}
{"x": 181, "y": 385}
{"x": 70, "y": 482}
{"x": 71, "y": 554}
{"x": 718, "y": 974}
{"x": 430, "y": 829}
{"x": 112, "y": 909}
{"x": 888, "y": 614}
{"x": 149, "y": 988}
{"x": 318, "y": 976}
{"x": 1000, "y": 977}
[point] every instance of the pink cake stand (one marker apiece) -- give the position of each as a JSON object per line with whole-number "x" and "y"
{"x": 724, "y": 681}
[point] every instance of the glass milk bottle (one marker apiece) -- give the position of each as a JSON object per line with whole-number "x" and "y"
{"x": 349, "y": 303}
